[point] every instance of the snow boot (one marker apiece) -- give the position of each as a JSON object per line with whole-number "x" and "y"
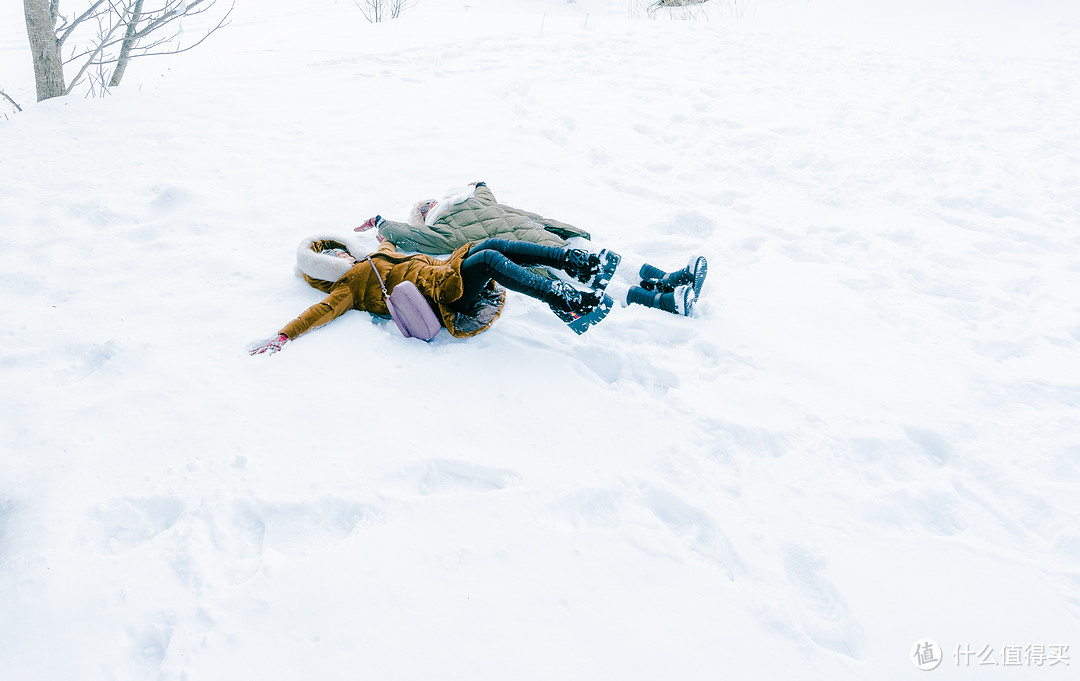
{"x": 592, "y": 269}
{"x": 656, "y": 279}
{"x": 678, "y": 301}
{"x": 579, "y": 309}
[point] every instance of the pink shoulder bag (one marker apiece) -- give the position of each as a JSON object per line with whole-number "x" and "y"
{"x": 409, "y": 309}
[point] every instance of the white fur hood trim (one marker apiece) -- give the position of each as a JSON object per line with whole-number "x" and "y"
{"x": 452, "y": 198}
{"x": 325, "y": 267}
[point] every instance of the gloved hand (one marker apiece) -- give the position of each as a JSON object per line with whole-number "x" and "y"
{"x": 369, "y": 223}
{"x": 268, "y": 346}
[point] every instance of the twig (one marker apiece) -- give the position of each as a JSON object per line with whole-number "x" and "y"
{"x": 88, "y": 14}
{"x": 93, "y": 55}
{"x": 13, "y": 102}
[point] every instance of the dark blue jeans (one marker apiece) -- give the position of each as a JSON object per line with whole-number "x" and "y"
{"x": 506, "y": 262}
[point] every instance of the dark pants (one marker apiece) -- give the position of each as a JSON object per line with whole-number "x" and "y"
{"x": 506, "y": 262}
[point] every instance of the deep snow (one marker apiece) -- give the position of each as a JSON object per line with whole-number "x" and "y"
{"x": 868, "y": 434}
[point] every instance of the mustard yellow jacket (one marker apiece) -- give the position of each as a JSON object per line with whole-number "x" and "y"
{"x": 439, "y": 281}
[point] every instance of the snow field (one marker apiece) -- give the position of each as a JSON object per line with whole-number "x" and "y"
{"x": 866, "y": 436}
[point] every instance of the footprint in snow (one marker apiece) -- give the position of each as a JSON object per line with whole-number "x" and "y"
{"x": 295, "y": 528}
{"x": 819, "y": 607}
{"x": 695, "y": 528}
{"x": 606, "y": 363}
{"x": 87, "y": 359}
{"x": 172, "y": 198}
{"x": 447, "y": 477}
{"x": 931, "y": 442}
{"x": 131, "y": 522}
{"x": 150, "y": 641}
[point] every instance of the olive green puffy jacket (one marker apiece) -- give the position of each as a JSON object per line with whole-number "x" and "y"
{"x": 477, "y": 218}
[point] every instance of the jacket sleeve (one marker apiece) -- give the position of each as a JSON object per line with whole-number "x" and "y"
{"x": 333, "y": 306}
{"x": 422, "y": 239}
{"x": 563, "y": 229}
{"x": 559, "y": 229}
{"x": 484, "y": 194}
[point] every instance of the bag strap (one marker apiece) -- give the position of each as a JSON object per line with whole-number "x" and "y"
{"x": 373, "y": 269}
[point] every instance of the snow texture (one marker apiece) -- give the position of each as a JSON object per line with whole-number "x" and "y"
{"x": 868, "y": 434}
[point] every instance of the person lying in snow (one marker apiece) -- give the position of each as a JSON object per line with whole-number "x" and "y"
{"x": 471, "y": 213}
{"x": 465, "y": 291}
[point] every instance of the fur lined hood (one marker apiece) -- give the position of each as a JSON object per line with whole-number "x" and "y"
{"x": 313, "y": 260}
{"x": 452, "y": 198}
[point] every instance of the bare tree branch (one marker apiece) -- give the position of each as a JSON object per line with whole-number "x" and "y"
{"x": 13, "y": 102}
{"x": 105, "y": 42}
{"x": 377, "y": 10}
{"x": 200, "y": 41}
{"x": 96, "y": 49}
{"x": 169, "y": 15}
{"x": 88, "y": 14}
{"x": 125, "y": 29}
{"x": 145, "y": 50}
{"x": 128, "y": 42}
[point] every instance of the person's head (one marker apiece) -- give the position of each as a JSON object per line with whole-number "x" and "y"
{"x": 340, "y": 253}
{"x": 420, "y": 211}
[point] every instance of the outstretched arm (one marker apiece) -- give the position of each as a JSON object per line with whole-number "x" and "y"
{"x": 560, "y": 229}
{"x": 421, "y": 238}
{"x": 484, "y": 193}
{"x": 333, "y": 306}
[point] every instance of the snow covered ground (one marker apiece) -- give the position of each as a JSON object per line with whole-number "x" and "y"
{"x": 868, "y": 435}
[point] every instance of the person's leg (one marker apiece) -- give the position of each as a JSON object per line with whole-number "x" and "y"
{"x": 485, "y": 264}
{"x": 591, "y": 269}
{"x": 656, "y": 279}
{"x": 580, "y": 309}
{"x": 679, "y": 300}
{"x": 523, "y": 252}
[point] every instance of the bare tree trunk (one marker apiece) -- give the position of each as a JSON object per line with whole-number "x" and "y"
{"x": 130, "y": 36}
{"x": 126, "y": 29}
{"x": 45, "y": 47}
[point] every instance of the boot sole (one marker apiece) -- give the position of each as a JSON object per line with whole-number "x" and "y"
{"x": 699, "y": 275}
{"x": 685, "y": 306}
{"x": 579, "y": 324}
{"x": 609, "y": 263}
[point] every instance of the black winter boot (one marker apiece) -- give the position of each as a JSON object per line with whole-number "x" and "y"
{"x": 579, "y": 309}
{"x": 656, "y": 279}
{"x": 592, "y": 269}
{"x": 679, "y": 301}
